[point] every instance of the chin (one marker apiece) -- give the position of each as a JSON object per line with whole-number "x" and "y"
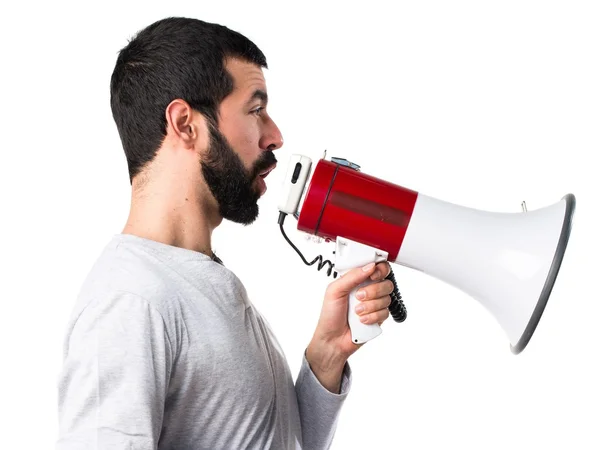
{"x": 244, "y": 217}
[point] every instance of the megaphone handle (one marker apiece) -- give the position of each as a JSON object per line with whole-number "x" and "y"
{"x": 361, "y": 332}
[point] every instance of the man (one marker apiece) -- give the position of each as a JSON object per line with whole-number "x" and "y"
{"x": 164, "y": 349}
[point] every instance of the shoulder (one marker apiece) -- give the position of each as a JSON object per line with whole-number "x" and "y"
{"x": 127, "y": 283}
{"x": 127, "y": 269}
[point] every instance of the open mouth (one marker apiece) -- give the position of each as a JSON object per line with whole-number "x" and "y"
{"x": 266, "y": 172}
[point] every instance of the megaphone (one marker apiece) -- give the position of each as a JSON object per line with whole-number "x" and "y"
{"x": 508, "y": 262}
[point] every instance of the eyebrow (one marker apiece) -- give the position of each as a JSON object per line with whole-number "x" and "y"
{"x": 260, "y": 95}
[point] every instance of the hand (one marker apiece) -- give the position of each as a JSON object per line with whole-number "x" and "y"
{"x": 332, "y": 344}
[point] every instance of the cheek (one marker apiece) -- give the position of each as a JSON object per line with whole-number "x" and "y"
{"x": 244, "y": 140}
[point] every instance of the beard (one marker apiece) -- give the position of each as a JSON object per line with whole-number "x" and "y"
{"x": 229, "y": 181}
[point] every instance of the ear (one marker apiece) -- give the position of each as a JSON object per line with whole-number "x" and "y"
{"x": 185, "y": 124}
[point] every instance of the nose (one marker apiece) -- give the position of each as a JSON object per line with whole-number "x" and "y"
{"x": 271, "y": 138}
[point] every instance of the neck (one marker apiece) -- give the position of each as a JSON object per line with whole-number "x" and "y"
{"x": 174, "y": 215}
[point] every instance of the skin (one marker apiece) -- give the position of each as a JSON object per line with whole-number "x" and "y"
{"x": 172, "y": 203}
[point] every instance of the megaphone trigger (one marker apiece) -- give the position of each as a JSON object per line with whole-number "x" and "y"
{"x": 348, "y": 255}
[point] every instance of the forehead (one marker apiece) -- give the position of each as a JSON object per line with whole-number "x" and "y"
{"x": 247, "y": 77}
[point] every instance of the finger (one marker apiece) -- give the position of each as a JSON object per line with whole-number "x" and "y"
{"x": 382, "y": 270}
{"x": 375, "y": 317}
{"x": 375, "y": 290}
{"x": 345, "y": 284}
{"x": 370, "y": 306}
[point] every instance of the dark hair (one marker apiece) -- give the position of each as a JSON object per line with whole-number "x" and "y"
{"x": 173, "y": 58}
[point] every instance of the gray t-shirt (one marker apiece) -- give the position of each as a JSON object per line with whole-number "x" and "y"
{"x": 165, "y": 351}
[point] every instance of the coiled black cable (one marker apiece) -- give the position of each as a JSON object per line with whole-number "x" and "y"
{"x": 319, "y": 259}
{"x": 397, "y": 309}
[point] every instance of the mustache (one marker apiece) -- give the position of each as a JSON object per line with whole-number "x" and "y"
{"x": 266, "y": 160}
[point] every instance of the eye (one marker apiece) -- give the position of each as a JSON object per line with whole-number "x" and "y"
{"x": 258, "y": 110}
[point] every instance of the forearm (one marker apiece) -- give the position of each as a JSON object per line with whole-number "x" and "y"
{"x": 327, "y": 364}
{"x": 318, "y": 406}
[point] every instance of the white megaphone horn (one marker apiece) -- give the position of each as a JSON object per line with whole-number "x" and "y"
{"x": 506, "y": 261}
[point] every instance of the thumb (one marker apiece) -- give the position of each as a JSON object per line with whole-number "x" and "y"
{"x": 353, "y": 278}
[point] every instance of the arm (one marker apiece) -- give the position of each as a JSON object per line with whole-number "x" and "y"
{"x": 325, "y": 376}
{"x": 115, "y": 375}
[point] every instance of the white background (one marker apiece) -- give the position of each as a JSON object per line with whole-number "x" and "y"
{"x": 480, "y": 103}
